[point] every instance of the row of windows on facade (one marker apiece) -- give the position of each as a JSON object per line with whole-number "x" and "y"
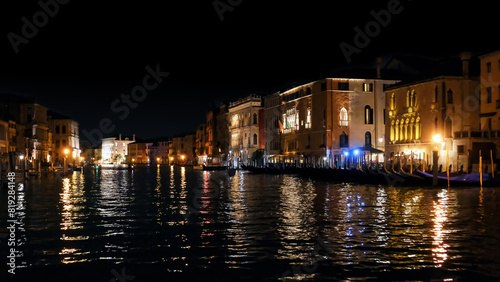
{"x": 239, "y": 121}
{"x": 343, "y": 142}
{"x": 488, "y": 66}
{"x": 406, "y": 130}
{"x": 240, "y": 143}
{"x": 60, "y": 129}
{"x": 489, "y": 95}
{"x": 344, "y": 86}
{"x": 411, "y": 98}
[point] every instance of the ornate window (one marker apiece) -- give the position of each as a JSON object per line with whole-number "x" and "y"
{"x": 344, "y": 118}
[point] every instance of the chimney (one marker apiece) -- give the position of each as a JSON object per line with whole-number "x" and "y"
{"x": 120, "y": 136}
{"x": 465, "y": 56}
{"x": 133, "y": 137}
{"x": 379, "y": 64}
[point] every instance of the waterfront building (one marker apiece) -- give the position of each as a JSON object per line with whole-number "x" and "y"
{"x": 115, "y": 150}
{"x": 333, "y": 122}
{"x": 217, "y": 134}
{"x": 436, "y": 113}
{"x": 200, "y": 144}
{"x": 272, "y": 134}
{"x": 140, "y": 153}
{"x": 183, "y": 150}
{"x": 490, "y": 106}
{"x": 244, "y": 129}
{"x": 65, "y": 135}
{"x": 162, "y": 149}
{"x": 38, "y": 144}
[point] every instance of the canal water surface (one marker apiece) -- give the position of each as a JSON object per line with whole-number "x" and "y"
{"x": 166, "y": 223}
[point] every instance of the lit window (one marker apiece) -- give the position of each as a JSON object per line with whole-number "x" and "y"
{"x": 367, "y": 87}
{"x": 344, "y": 120}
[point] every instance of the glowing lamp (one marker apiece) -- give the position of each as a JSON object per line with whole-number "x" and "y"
{"x": 437, "y": 138}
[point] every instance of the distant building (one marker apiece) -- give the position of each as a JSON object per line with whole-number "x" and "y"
{"x": 183, "y": 150}
{"x": 139, "y": 153}
{"x": 115, "y": 150}
{"x": 272, "y": 133}
{"x": 65, "y": 135}
{"x": 39, "y": 138}
{"x": 162, "y": 149}
{"x": 244, "y": 129}
{"x": 200, "y": 151}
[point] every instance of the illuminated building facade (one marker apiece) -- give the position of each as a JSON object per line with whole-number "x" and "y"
{"x": 323, "y": 121}
{"x": 244, "y": 129}
{"x": 65, "y": 135}
{"x": 446, "y": 106}
{"x": 115, "y": 150}
{"x": 182, "y": 150}
{"x": 39, "y": 137}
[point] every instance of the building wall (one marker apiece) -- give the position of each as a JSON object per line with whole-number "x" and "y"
{"x": 447, "y": 106}
{"x": 34, "y": 116}
{"x": 490, "y": 92}
{"x": 65, "y": 135}
{"x": 324, "y": 119}
{"x": 244, "y": 128}
{"x": 272, "y": 137}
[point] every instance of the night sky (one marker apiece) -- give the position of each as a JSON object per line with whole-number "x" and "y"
{"x": 90, "y": 52}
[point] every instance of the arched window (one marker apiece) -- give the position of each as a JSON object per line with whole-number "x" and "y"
{"x": 396, "y": 137}
{"x": 436, "y": 94}
{"x": 254, "y": 118}
{"x": 64, "y": 129}
{"x": 368, "y": 139}
{"x": 392, "y": 131}
{"x": 58, "y": 129}
{"x": 393, "y": 101}
{"x": 255, "y": 139}
{"x": 412, "y": 129}
{"x": 407, "y": 125}
{"x": 413, "y": 98}
{"x": 435, "y": 124}
{"x": 449, "y": 96}
{"x": 344, "y": 121}
{"x": 368, "y": 115}
{"x": 344, "y": 140}
{"x": 401, "y": 131}
{"x": 417, "y": 129}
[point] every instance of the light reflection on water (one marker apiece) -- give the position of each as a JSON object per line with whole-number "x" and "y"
{"x": 186, "y": 220}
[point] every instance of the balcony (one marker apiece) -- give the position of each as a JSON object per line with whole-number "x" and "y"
{"x": 498, "y": 104}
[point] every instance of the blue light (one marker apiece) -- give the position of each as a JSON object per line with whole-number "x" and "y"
{"x": 356, "y": 152}
{"x": 346, "y": 153}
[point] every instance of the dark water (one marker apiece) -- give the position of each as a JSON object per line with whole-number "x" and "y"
{"x": 172, "y": 223}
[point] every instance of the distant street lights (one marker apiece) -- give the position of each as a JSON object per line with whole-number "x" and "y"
{"x": 66, "y": 152}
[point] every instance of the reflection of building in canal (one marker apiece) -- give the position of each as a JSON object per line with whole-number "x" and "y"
{"x": 297, "y": 227}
